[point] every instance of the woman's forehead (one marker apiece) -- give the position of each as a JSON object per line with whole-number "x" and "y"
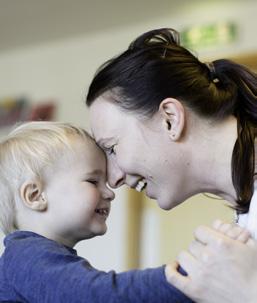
{"x": 104, "y": 114}
{"x": 103, "y": 103}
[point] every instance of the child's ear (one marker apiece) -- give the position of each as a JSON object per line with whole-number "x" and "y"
{"x": 33, "y": 196}
{"x": 173, "y": 115}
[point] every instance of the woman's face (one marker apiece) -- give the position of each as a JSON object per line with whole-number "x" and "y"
{"x": 139, "y": 152}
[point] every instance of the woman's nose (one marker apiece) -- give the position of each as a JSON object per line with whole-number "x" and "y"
{"x": 115, "y": 175}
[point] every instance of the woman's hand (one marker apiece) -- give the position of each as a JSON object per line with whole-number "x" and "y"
{"x": 221, "y": 264}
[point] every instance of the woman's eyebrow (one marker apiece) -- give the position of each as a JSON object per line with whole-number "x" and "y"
{"x": 103, "y": 141}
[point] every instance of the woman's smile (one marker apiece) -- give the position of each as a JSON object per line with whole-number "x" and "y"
{"x": 141, "y": 185}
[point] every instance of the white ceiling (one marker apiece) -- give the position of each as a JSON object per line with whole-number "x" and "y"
{"x": 24, "y": 22}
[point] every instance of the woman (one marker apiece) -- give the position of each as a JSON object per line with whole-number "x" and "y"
{"x": 174, "y": 126}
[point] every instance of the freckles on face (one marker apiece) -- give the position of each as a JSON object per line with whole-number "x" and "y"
{"x": 140, "y": 146}
{"x": 102, "y": 116}
{"x": 109, "y": 124}
{"x": 112, "y": 127}
{"x": 141, "y": 150}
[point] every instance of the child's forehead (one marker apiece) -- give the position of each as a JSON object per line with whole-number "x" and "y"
{"x": 84, "y": 150}
{"x": 87, "y": 144}
{"x": 81, "y": 155}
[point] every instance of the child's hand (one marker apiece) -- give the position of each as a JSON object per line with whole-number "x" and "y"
{"x": 217, "y": 261}
{"x": 233, "y": 231}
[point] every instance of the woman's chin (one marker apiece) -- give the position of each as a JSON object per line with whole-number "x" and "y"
{"x": 163, "y": 202}
{"x": 165, "y": 207}
{"x": 149, "y": 194}
{"x": 167, "y": 204}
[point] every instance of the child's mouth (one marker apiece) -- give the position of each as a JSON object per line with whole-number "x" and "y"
{"x": 104, "y": 212}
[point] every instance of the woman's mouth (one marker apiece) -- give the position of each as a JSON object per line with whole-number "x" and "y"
{"x": 141, "y": 185}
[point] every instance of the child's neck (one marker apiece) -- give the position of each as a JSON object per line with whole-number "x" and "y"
{"x": 39, "y": 226}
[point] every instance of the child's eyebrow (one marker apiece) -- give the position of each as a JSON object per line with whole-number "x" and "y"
{"x": 94, "y": 172}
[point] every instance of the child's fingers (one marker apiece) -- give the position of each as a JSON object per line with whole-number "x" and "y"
{"x": 226, "y": 228}
{"x": 233, "y": 231}
{"x": 244, "y": 236}
{"x": 175, "y": 278}
{"x": 216, "y": 224}
{"x": 221, "y": 226}
{"x": 251, "y": 242}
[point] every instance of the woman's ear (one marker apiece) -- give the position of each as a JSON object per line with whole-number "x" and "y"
{"x": 173, "y": 115}
{"x": 33, "y": 196}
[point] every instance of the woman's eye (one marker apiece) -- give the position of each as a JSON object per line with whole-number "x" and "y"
{"x": 110, "y": 150}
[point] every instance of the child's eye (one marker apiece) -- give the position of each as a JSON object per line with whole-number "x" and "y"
{"x": 94, "y": 182}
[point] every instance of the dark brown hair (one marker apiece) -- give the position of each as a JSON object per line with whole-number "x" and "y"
{"x": 155, "y": 67}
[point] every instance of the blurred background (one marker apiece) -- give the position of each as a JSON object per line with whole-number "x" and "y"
{"x": 49, "y": 52}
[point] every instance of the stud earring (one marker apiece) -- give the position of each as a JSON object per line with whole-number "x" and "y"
{"x": 174, "y": 136}
{"x": 43, "y": 197}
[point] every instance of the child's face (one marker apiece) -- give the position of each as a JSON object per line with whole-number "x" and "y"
{"x": 77, "y": 195}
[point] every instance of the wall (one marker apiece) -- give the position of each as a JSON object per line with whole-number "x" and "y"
{"x": 62, "y": 70}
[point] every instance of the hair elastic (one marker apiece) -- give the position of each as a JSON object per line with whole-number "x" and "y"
{"x": 164, "y": 53}
{"x": 212, "y": 70}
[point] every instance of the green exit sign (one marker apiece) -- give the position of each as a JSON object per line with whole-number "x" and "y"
{"x": 211, "y": 35}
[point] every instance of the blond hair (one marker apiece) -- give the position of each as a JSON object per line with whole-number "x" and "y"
{"x": 26, "y": 152}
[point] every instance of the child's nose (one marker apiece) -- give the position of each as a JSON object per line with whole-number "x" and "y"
{"x": 108, "y": 194}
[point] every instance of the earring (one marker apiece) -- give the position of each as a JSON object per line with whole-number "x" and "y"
{"x": 43, "y": 202}
{"x": 43, "y": 197}
{"x": 174, "y": 136}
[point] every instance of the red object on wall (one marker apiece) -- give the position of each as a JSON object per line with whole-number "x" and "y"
{"x": 42, "y": 112}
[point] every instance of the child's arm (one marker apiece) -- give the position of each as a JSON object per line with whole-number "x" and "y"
{"x": 52, "y": 274}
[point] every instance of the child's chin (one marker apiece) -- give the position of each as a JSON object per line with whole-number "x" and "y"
{"x": 102, "y": 232}
{"x": 95, "y": 234}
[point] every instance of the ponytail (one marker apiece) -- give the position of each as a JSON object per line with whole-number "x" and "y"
{"x": 234, "y": 76}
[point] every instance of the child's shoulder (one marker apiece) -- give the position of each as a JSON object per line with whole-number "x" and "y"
{"x": 20, "y": 238}
{"x": 28, "y": 252}
{"x": 26, "y": 244}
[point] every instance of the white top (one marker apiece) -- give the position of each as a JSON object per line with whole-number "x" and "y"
{"x": 249, "y": 220}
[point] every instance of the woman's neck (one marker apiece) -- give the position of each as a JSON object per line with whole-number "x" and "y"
{"x": 214, "y": 145}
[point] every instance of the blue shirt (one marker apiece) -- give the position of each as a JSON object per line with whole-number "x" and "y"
{"x": 36, "y": 269}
